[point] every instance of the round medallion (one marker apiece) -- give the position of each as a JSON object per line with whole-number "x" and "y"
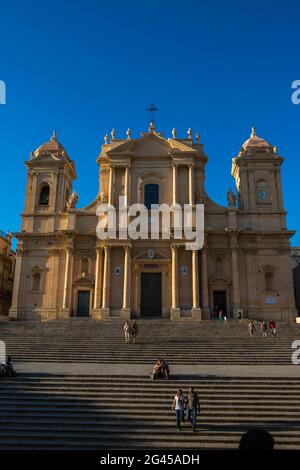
{"x": 117, "y": 270}
{"x": 151, "y": 253}
{"x": 184, "y": 270}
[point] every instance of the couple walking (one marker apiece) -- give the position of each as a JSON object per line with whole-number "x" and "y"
{"x": 130, "y": 331}
{"x": 189, "y": 402}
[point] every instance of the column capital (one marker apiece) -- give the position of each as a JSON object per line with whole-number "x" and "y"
{"x": 175, "y": 246}
{"x": 22, "y": 252}
{"x": 70, "y": 244}
{"x": 54, "y": 251}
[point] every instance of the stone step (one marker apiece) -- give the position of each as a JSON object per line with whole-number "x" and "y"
{"x": 88, "y": 341}
{"x": 107, "y": 412}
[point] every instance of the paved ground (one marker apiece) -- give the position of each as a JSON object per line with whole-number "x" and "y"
{"x": 143, "y": 369}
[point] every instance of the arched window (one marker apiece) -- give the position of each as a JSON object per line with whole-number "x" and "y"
{"x": 269, "y": 277}
{"x": 151, "y": 194}
{"x": 36, "y": 282}
{"x": 84, "y": 265}
{"x": 44, "y": 195}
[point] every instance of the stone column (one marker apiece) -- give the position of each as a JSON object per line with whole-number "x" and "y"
{"x": 191, "y": 183}
{"x": 52, "y": 284}
{"x": 53, "y": 192}
{"x": 251, "y": 269}
{"x": 235, "y": 275}
{"x": 204, "y": 279}
{"x": 279, "y": 188}
{"x": 125, "y": 312}
{"x": 34, "y": 197}
{"x": 67, "y": 280}
{"x": 106, "y": 283}
{"x": 175, "y": 310}
{"x": 174, "y": 165}
{"x": 127, "y": 189}
{"x": 196, "y": 311}
{"x": 98, "y": 277}
{"x": 111, "y": 185}
{"x": 15, "y": 311}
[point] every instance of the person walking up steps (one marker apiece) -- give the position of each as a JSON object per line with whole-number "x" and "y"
{"x": 264, "y": 328}
{"x": 178, "y": 405}
{"x": 193, "y": 407}
{"x": 134, "y": 331}
{"x": 251, "y": 328}
{"x": 127, "y": 331}
{"x": 272, "y": 325}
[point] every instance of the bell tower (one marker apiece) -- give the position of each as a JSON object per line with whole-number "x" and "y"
{"x": 49, "y": 184}
{"x": 257, "y": 173}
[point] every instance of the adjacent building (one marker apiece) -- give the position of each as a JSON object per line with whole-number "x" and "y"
{"x": 7, "y": 261}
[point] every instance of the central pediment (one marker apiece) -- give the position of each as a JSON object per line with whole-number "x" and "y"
{"x": 151, "y": 144}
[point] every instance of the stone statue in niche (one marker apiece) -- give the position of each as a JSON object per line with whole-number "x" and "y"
{"x": 72, "y": 201}
{"x": 103, "y": 199}
{"x": 231, "y": 198}
{"x": 201, "y": 197}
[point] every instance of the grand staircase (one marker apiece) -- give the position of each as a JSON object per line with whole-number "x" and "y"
{"x": 84, "y": 340}
{"x": 84, "y": 412}
{"x": 67, "y": 411}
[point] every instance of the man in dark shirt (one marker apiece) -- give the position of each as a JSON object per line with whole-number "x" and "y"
{"x": 193, "y": 407}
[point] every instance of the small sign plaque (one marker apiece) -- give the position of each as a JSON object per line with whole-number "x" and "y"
{"x": 271, "y": 300}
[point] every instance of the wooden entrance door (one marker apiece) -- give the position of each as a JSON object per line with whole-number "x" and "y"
{"x": 151, "y": 303}
{"x": 220, "y": 300}
{"x": 83, "y": 303}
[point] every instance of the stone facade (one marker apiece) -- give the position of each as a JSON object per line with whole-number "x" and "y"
{"x": 7, "y": 260}
{"x": 63, "y": 269}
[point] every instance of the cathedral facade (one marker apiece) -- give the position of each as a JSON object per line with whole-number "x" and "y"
{"x": 63, "y": 269}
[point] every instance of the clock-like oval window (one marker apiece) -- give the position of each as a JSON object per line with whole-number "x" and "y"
{"x": 262, "y": 191}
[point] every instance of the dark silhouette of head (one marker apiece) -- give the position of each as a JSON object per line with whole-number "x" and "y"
{"x": 256, "y": 439}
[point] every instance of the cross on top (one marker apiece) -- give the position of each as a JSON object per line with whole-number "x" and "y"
{"x": 151, "y": 110}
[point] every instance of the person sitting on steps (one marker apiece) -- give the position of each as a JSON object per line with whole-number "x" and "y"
{"x": 160, "y": 370}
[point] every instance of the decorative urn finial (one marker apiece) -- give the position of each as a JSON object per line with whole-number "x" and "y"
{"x": 190, "y": 133}
{"x": 128, "y": 133}
{"x": 197, "y": 135}
{"x": 174, "y": 132}
{"x": 113, "y": 134}
{"x": 106, "y": 139}
{"x": 151, "y": 126}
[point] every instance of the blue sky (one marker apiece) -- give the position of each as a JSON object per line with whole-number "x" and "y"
{"x": 84, "y": 67}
